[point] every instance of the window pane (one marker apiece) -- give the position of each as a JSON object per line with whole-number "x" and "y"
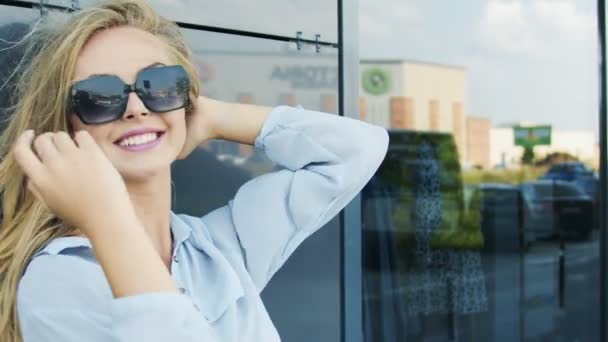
{"x": 481, "y": 224}
{"x": 303, "y": 299}
{"x": 14, "y": 25}
{"x": 277, "y": 17}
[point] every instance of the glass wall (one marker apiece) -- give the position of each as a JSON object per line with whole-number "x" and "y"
{"x": 279, "y": 18}
{"x": 303, "y": 298}
{"x": 14, "y": 23}
{"x": 482, "y": 223}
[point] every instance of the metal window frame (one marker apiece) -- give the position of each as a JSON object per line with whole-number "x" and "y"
{"x": 350, "y": 218}
{"x": 601, "y": 27}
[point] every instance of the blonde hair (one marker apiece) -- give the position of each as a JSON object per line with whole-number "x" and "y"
{"x": 41, "y": 92}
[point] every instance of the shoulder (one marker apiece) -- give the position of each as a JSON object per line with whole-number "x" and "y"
{"x": 214, "y": 230}
{"x": 63, "y": 280}
{"x": 215, "y": 227}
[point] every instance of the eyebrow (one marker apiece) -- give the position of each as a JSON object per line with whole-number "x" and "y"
{"x": 140, "y": 70}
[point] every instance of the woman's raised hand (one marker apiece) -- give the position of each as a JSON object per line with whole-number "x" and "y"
{"x": 73, "y": 177}
{"x": 213, "y": 119}
{"x": 200, "y": 121}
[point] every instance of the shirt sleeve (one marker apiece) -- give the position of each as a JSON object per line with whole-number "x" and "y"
{"x": 325, "y": 161}
{"x": 62, "y": 298}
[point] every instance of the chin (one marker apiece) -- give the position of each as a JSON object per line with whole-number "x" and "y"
{"x": 143, "y": 173}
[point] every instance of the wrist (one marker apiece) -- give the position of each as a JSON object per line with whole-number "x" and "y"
{"x": 114, "y": 226}
{"x": 214, "y": 111}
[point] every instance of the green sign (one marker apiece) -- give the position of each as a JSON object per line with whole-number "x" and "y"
{"x": 532, "y": 136}
{"x": 376, "y": 81}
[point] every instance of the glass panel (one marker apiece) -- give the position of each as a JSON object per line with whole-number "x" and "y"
{"x": 277, "y": 17}
{"x": 481, "y": 224}
{"x": 303, "y": 299}
{"x": 14, "y": 24}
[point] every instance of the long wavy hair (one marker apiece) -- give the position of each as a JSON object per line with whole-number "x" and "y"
{"x": 41, "y": 88}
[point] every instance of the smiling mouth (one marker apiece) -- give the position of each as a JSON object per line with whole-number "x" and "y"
{"x": 139, "y": 140}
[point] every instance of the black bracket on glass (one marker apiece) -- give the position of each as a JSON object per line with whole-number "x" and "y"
{"x": 43, "y": 9}
{"x": 44, "y": 6}
{"x": 299, "y": 40}
{"x": 75, "y": 6}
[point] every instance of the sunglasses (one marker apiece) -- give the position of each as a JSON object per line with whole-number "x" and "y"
{"x": 103, "y": 98}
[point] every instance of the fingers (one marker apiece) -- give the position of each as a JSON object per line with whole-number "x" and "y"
{"x": 48, "y": 147}
{"x": 29, "y": 162}
{"x": 45, "y": 147}
{"x": 85, "y": 140}
{"x": 25, "y": 157}
{"x": 64, "y": 142}
{"x": 34, "y": 190}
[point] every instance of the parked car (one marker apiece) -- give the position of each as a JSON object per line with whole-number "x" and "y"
{"x": 554, "y": 207}
{"x": 568, "y": 171}
{"x": 500, "y": 207}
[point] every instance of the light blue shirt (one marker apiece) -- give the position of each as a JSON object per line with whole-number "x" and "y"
{"x": 222, "y": 260}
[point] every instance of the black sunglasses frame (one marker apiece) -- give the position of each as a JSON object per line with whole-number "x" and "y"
{"x": 115, "y": 112}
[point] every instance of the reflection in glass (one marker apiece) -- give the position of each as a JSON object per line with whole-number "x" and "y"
{"x": 515, "y": 223}
{"x": 14, "y": 25}
{"x": 556, "y": 208}
{"x": 286, "y": 17}
{"x": 419, "y": 234}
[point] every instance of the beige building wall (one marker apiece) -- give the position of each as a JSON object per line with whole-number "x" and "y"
{"x": 425, "y": 82}
{"x": 478, "y": 141}
{"x": 421, "y": 96}
{"x": 460, "y": 128}
{"x": 438, "y": 90}
{"x": 401, "y": 113}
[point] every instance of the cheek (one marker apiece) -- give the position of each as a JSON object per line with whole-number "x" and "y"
{"x": 179, "y": 127}
{"x": 98, "y": 132}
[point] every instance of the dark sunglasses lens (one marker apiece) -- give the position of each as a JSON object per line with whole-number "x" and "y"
{"x": 99, "y": 99}
{"x": 163, "y": 89}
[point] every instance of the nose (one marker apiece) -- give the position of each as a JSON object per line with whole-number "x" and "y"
{"x": 135, "y": 107}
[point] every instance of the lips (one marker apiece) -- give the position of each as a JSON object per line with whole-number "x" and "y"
{"x": 136, "y": 135}
{"x": 141, "y": 144}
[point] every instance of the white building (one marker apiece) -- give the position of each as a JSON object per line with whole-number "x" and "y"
{"x": 504, "y": 152}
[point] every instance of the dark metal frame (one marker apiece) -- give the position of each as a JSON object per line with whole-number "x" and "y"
{"x": 603, "y": 203}
{"x": 350, "y": 218}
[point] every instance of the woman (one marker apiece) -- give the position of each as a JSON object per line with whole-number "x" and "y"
{"x": 89, "y": 247}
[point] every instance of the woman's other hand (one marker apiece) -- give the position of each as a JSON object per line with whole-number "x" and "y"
{"x": 74, "y": 178}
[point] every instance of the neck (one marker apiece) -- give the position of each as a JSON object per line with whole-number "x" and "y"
{"x": 152, "y": 202}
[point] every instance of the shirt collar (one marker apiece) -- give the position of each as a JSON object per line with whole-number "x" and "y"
{"x": 180, "y": 229}
{"x": 57, "y": 245}
{"x": 181, "y": 232}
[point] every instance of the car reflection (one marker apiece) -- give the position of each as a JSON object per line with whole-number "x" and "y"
{"x": 568, "y": 171}
{"x": 554, "y": 208}
{"x": 500, "y": 207}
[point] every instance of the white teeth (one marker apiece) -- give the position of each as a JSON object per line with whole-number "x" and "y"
{"x": 138, "y": 139}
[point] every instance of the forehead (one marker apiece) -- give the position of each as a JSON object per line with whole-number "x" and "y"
{"x": 121, "y": 51}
